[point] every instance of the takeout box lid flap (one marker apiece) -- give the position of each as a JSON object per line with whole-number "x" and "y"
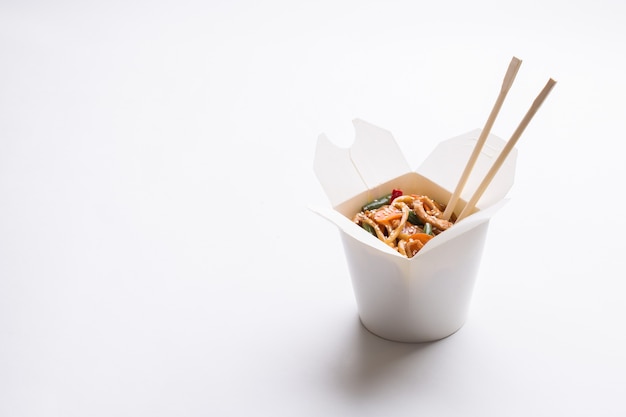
{"x": 446, "y": 163}
{"x": 374, "y": 158}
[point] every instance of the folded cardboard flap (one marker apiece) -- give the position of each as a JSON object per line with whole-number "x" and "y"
{"x": 446, "y": 163}
{"x": 376, "y": 155}
{"x": 375, "y": 159}
{"x": 335, "y": 171}
{"x": 350, "y": 228}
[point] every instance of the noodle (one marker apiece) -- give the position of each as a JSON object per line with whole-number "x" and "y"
{"x": 405, "y": 223}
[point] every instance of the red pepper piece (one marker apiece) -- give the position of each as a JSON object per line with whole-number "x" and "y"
{"x": 395, "y": 194}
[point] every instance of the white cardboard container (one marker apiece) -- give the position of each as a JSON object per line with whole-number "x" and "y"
{"x": 427, "y": 297}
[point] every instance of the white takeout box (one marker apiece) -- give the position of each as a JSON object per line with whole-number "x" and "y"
{"x": 427, "y": 297}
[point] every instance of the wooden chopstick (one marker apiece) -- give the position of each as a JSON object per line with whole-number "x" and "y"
{"x": 471, "y": 204}
{"x": 506, "y": 86}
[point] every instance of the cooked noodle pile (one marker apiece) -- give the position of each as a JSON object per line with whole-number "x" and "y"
{"x": 406, "y": 223}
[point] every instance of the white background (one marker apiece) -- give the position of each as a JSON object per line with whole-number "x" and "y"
{"x": 157, "y": 256}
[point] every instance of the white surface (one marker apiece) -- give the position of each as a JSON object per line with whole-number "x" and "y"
{"x": 156, "y": 254}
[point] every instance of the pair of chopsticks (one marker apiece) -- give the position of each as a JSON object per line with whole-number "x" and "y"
{"x": 506, "y": 85}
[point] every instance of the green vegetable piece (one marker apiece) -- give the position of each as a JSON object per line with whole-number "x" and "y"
{"x": 369, "y": 228}
{"x": 377, "y": 203}
{"x": 428, "y": 229}
{"x": 414, "y": 219}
